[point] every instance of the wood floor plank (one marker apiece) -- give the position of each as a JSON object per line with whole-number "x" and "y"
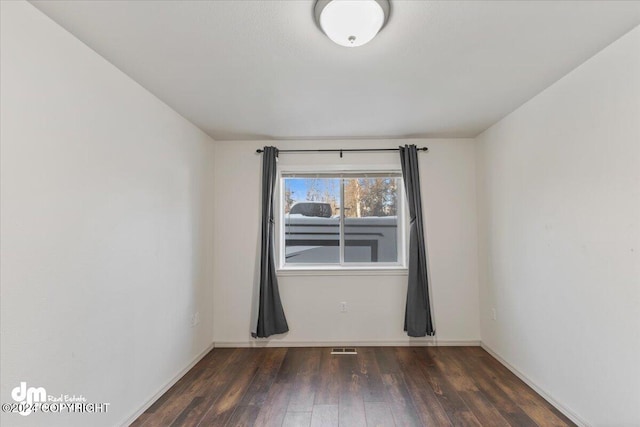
{"x": 410, "y": 386}
{"x": 325, "y": 416}
{"x": 397, "y": 395}
{"x": 371, "y": 384}
{"x": 524, "y": 396}
{"x": 266, "y": 375}
{"x": 351, "y": 403}
{"x": 304, "y": 386}
{"x": 447, "y": 361}
{"x": 351, "y": 412}
{"x": 378, "y": 414}
{"x": 220, "y": 412}
{"x": 459, "y": 380}
{"x": 387, "y": 361}
{"x": 290, "y": 366}
{"x": 507, "y": 408}
{"x": 429, "y": 408}
{"x": 328, "y": 387}
{"x": 244, "y": 416}
{"x": 275, "y": 406}
{"x": 456, "y": 409}
{"x": 140, "y": 420}
{"x": 277, "y": 400}
{"x": 482, "y": 409}
{"x": 297, "y": 419}
{"x": 213, "y": 389}
{"x": 181, "y": 397}
{"x": 400, "y": 401}
{"x": 189, "y": 378}
{"x": 183, "y": 415}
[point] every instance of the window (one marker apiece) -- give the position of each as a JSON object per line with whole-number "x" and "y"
{"x": 341, "y": 220}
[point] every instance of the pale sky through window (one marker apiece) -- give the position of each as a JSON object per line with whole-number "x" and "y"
{"x": 300, "y": 187}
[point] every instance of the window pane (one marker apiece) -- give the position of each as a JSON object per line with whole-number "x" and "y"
{"x": 371, "y": 219}
{"x": 312, "y": 220}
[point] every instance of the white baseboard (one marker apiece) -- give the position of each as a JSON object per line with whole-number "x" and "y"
{"x": 383, "y": 343}
{"x": 559, "y": 406}
{"x": 167, "y": 386}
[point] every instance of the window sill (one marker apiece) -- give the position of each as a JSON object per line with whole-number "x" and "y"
{"x": 348, "y": 271}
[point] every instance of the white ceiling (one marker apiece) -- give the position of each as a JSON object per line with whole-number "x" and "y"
{"x": 262, "y": 69}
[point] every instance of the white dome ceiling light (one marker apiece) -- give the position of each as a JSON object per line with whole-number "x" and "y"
{"x": 351, "y": 23}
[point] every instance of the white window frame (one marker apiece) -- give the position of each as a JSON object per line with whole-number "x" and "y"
{"x": 399, "y": 267}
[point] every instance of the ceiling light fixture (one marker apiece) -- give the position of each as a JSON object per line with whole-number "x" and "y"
{"x": 351, "y": 23}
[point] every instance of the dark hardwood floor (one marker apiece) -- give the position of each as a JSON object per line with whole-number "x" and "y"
{"x": 380, "y": 386}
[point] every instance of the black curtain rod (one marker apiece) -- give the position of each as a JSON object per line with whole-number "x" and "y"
{"x": 342, "y": 150}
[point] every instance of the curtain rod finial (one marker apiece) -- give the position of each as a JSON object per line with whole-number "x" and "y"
{"x": 259, "y": 151}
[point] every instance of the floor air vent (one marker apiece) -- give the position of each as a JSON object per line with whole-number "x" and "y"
{"x": 344, "y": 350}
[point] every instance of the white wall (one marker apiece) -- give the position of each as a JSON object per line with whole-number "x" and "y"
{"x": 559, "y": 223}
{"x": 103, "y": 227}
{"x": 376, "y": 302}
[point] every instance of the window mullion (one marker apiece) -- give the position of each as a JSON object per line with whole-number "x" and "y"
{"x": 341, "y": 221}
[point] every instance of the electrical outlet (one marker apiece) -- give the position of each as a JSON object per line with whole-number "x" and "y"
{"x": 343, "y": 307}
{"x": 494, "y": 314}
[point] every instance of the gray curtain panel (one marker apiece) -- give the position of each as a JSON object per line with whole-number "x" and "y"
{"x": 417, "y": 317}
{"x": 271, "y": 318}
